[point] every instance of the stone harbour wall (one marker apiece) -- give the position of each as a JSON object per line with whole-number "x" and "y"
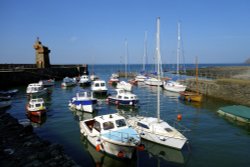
{"x": 234, "y": 90}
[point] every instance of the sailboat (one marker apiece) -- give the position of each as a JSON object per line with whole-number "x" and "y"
{"x": 155, "y": 129}
{"x": 171, "y": 85}
{"x": 192, "y": 96}
{"x": 153, "y": 80}
{"x": 127, "y": 86}
{"x": 141, "y": 77}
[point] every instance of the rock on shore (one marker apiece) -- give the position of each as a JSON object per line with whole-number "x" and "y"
{"x": 20, "y": 146}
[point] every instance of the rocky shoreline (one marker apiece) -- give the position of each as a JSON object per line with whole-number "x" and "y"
{"x": 20, "y": 146}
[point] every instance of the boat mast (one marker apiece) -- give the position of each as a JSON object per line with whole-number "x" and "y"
{"x": 158, "y": 67}
{"x": 178, "y": 47}
{"x": 196, "y": 71}
{"x": 145, "y": 52}
{"x": 126, "y": 57}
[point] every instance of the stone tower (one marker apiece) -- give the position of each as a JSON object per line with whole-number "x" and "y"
{"x": 42, "y": 55}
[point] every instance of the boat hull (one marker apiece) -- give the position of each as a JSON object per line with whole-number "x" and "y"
{"x": 116, "y": 101}
{"x": 174, "y": 87}
{"x": 83, "y": 107}
{"x": 153, "y": 82}
{"x": 190, "y": 96}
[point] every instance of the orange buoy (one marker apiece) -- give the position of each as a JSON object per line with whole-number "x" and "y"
{"x": 179, "y": 117}
{"x": 141, "y": 147}
{"x": 98, "y": 147}
{"x": 120, "y": 154}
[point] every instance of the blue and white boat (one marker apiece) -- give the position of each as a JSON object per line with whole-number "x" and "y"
{"x": 112, "y": 135}
{"x": 84, "y": 101}
{"x": 123, "y": 98}
{"x": 67, "y": 82}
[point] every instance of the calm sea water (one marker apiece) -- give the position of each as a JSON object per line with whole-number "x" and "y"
{"x": 213, "y": 140}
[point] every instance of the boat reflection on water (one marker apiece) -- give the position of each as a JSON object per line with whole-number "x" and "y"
{"x": 101, "y": 159}
{"x": 37, "y": 120}
{"x": 80, "y": 115}
{"x": 171, "y": 95}
{"x": 166, "y": 153}
{"x": 127, "y": 111}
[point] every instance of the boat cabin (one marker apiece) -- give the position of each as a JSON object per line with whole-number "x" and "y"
{"x": 34, "y": 87}
{"x": 36, "y": 103}
{"x": 84, "y": 95}
{"x": 123, "y": 95}
{"x": 106, "y": 122}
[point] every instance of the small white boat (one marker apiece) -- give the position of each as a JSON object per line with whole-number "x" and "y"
{"x": 67, "y": 82}
{"x": 140, "y": 78}
{"x": 93, "y": 77}
{"x": 112, "y": 135}
{"x": 83, "y": 101}
{"x": 123, "y": 98}
{"x": 174, "y": 86}
{"x": 36, "y": 107}
{"x": 124, "y": 85}
{"x": 47, "y": 83}
{"x": 36, "y": 89}
{"x": 84, "y": 80}
{"x": 153, "y": 81}
{"x": 114, "y": 78}
{"x": 4, "y": 104}
{"x": 99, "y": 87}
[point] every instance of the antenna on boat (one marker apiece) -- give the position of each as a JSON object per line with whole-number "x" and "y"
{"x": 158, "y": 66}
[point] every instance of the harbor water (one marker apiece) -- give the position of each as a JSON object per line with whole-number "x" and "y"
{"x": 213, "y": 140}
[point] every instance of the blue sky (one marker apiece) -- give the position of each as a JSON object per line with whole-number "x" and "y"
{"x": 94, "y": 31}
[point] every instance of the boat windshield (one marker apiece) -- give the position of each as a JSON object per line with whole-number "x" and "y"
{"x": 120, "y": 123}
{"x": 108, "y": 125}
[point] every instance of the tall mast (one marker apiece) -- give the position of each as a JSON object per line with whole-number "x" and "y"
{"x": 178, "y": 47}
{"x": 158, "y": 55}
{"x": 145, "y": 51}
{"x": 196, "y": 71}
{"x": 126, "y": 57}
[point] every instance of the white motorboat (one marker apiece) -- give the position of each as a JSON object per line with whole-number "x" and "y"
{"x": 47, "y": 83}
{"x": 36, "y": 89}
{"x": 67, "y": 82}
{"x": 174, "y": 86}
{"x": 140, "y": 78}
{"x": 114, "y": 78}
{"x": 111, "y": 134}
{"x": 83, "y": 101}
{"x": 99, "y": 87}
{"x": 124, "y": 85}
{"x": 152, "y": 81}
{"x": 155, "y": 129}
{"x": 84, "y": 80}
{"x": 123, "y": 97}
{"x": 36, "y": 107}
